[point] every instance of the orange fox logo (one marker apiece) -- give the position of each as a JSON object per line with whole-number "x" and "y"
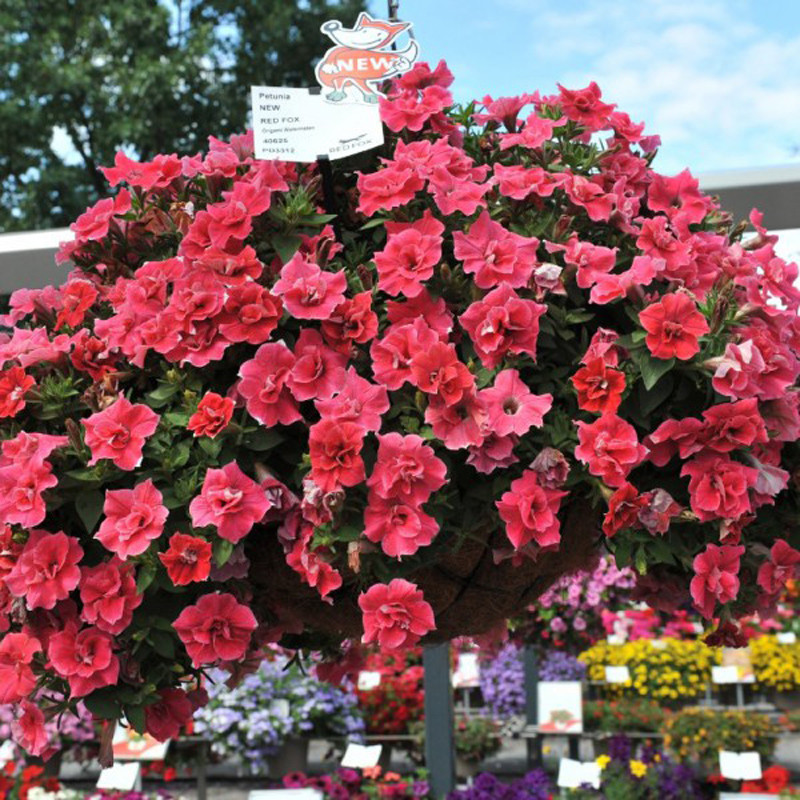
{"x": 360, "y": 58}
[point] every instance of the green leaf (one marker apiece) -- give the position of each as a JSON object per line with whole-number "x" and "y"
{"x": 89, "y": 505}
{"x": 641, "y": 561}
{"x": 177, "y": 418}
{"x": 622, "y": 552}
{"x": 373, "y": 223}
{"x": 163, "y": 643}
{"x": 263, "y": 439}
{"x": 147, "y": 573}
{"x": 223, "y": 549}
{"x": 285, "y": 246}
{"x": 135, "y": 717}
{"x": 650, "y": 401}
{"x": 102, "y": 703}
{"x": 162, "y": 393}
{"x": 653, "y": 369}
{"x": 316, "y": 219}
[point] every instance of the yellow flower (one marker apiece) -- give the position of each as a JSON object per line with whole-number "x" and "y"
{"x": 638, "y": 768}
{"x": 602, "y": 761}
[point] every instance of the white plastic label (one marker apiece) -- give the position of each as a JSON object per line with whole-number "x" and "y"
{"x": 572, "y": 774}
{"x": 359, "y": 756}
{"x": 724, "y": 674}
{"x": 124, "y": 776}
{"x": 298, "y": 125}
{"x": 786, "y": 637}
{"x": 740, "y": 766}
{"x": 617, "y": 674}
{"x": 369, "y": 679}
{"x": 467, "y": 672}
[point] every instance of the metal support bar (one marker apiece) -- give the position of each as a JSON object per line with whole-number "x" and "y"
{"x": 439, "y": 747}
{"x": 531, "y": 672}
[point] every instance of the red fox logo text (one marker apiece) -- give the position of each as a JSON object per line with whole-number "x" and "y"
{"x": 360, "y": 59}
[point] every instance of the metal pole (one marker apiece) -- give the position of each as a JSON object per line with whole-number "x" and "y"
{"x": 439, "y": 747}
{"x": 394, "y": 7}
{"x": 531, "y": 671}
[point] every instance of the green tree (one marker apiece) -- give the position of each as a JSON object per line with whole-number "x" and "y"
{"x": 83, "y": 78}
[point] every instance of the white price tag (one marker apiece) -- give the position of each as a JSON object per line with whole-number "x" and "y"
{"x": 615, "y": 639}
{"x": 572, "y": 774}
{"x": 124, "y": 776}
{"x": 617, "y": 674}
{"x": 300, "y": 125}
{"x": 740, "y": 766}
{"x": 786, "y": 637}
{"x": 7, "y": 752}
{"x": 724, "y": 674}
{"x": 359, "y": 756}
{"x": 467, "y": 672}
{"x": 369, "y": 679}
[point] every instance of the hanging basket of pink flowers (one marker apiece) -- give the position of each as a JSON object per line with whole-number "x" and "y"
{"x": 245, "y": 420}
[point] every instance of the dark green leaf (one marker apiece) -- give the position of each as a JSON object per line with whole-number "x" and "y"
{"x": 102, "y": 703}
{"x": 147, "y": 572}
{"x": 285, "y": 246}
{"x": 373, "y": 223}
{"x": 89, "y": 505}
{"x": 223, "y": 549}
{"x": 263, "y": 439}
{"x": 163, "y": 643}
{"x": 162, "y": 394}
{"x": 653, "y": 368}
{"x": 650, "y": 401}
{"x": 135, "y": 717}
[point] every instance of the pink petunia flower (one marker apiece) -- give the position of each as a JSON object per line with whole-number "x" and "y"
{"x": 46, "y": 570}
{"x": 400, "y": 529}
{"x": 17, "y": 680}
{"x": 119, "y": 432}
{"x": 165, "y": 718}
{"x": 412, "y": 251}
{"x": 85, "y": 658}
{"x": 718, "y": 486}
{"x": 250, "y": 314}
{"x": 307, "y": 291}
{"x": 213, "y": 414}
{"x": 264, "y": 385}
{"x": 406, "y": 469}
{"x": 230, "y": 501}
{"x": 783, "y": 565}
{"x": 21, "y": 488}
{"x": 502, "y": 323}
{"x": 386, "y": 189}
{"x": 512, "y": 407}
{"x": 438, "y": 371}
{"x": 610, "y": 448}
{"x": 395, "y": 615}
{"x": 109, "y": 596}
{"x": 29, "y": 732}
{"x": 318, "y": 371}
{"x": 458, "y": 425}
{"x": 335, "y": 451}
{"x": 391, "y": 355}
{"x": 358, "y": 401}
{"x": 133, "y": 519}
{"x": 716, "y": 577}
{"x": 216, "y": 628}
{"x": 529, "y": 511}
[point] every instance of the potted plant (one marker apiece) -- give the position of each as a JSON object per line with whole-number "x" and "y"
{"x": 237, "y": 424}
{"x": 265, "y": 721}
{"x": 476, "y": 739}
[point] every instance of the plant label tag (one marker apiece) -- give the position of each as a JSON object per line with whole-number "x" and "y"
{"x": 124, "y": 776}
{"x": 659, "y": 644}
{"x": 615, "y": 639}
{"x": 786, "y": 637}
{"x": 307, "y": 793}
{"x": 572, "y": 774}
{"x": 128, "y": 745}
{"x": 7, "y": 752}
{"x": 560, "y": 707}
{"x": 299, "y": 125}
{"x": 725, "y": 674}
{"x": 617, "y": 675}
{"x": 359, "y": 756}
{"x": 368, "y": 679}
{"x": 352, "y": 71}
{"x": 467, "y": 672}
{"x": 740, "y": 766}
{"x": 280, "y": 707}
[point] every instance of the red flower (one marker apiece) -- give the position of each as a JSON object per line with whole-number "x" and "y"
{"x": 673, "y": 325}
{"x": 335, "y": 451}
{"x": 230, "y": 501}
{"x": 250, "y": 315}
{"x": 584, "y": 106}
{"x": 29, "y": 732}
{"x": 119, "y": 433}
{"x": 216, "y": 628}
{"x": 502, "y": 323}
{"x": 77, "y": 297}
{"x": 134, "y": 518}
{"x": 399, "y": 528}
{"x": 358, "y": 401}
{"x": 438, "y": 371}
{"x": 716, "y": 570}
{"x": 318, "y": 371}
{"x": 85, "y": 658}
{"x": 529, "y": 511}
{"x": 213, "y": 414}
{"x": 783, "y": 565}
{"x": 187, "y": 559}
{"x": 391, "y": 355}
{"x": 165, "y": 718}
{"x": 386, "y": 189}
{"x": 623, "y": 509}
{"x": 14, "y": 384}
{"x": 395, "y": 615}
{"x": 47, "y": 569}
{"x": 599, "y": 387}
{"x": 610, "y": 448}
{"x": 109, "y": 596}
{"x": 353, "y": 320}
{"x": 94, "y": 223}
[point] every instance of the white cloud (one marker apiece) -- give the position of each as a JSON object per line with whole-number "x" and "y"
{"x": 721, "y": 90}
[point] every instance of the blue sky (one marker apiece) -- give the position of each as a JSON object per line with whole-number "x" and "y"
{"x": 719, "y": 80}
